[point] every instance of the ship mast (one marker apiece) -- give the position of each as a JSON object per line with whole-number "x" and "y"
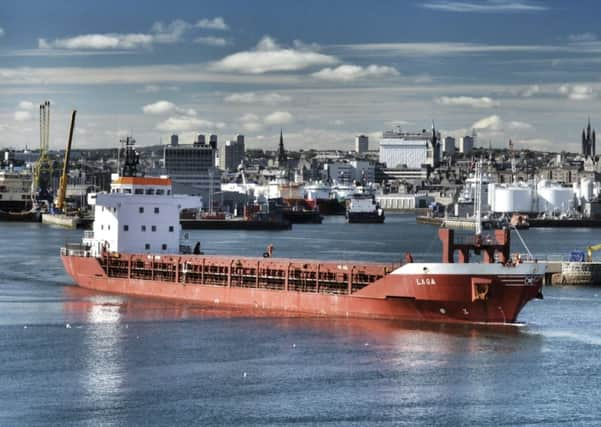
{"x": 478, "y": 198}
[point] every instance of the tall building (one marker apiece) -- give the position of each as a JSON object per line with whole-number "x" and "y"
{"x": 213, "y": 141}
{"x": 588, "y": 141}
{"x": 174, "y": 140}
{"x": 361, "y": 144}
{"x": 233, "y": 154}
{"x": 448, "y": 146}
{"x": 466, "y": 144}
{"x": 410, "y": 150}
{"x": 192, "y": 169}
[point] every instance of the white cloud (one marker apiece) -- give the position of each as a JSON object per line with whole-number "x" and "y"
{"x": 142, "y": 74}
{"x": 269, "y": 56}
{"x": 494, "y": 124}
{"x": 576, "y": 92}
{"x": 169, "y": 33}
{"x": 467, "y": 101}
{"x": 160, "y": 33}
{"x": 159, "y": 107}
{"x": 158, "y": 88}
{"x": 444, "y": 48}
{"x": 530, "y": 91}
{"x": 22, "y": 116}
{"x": 99, "y": 41}
{"x": 251, "y": 122}
{"x": 184, "y": 123}
{"x": 211, "y": 41}
{"x": 217, "y": 23}
{"x": 516, "y": 125}
{"x": 270, "y": 98}
{"x": 348, "y": 72}
{"x": 278, "y": 118}
{"x": 165, "y": 107}
{"x": 490, "y": 6}
{"x": 583, "y": 38}
{"x": 26, "y": 105}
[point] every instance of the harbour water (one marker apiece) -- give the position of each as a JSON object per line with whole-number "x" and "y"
{"x": 69, "y": 356}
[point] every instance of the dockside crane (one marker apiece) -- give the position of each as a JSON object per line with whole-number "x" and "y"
{"x": 62, "y": 188}
{"x": 42, "y": 171}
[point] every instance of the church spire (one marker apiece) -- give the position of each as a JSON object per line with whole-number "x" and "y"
{"x": 282, "y": 158}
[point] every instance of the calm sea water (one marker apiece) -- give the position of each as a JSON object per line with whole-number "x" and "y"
{"x": 74, "y": 357}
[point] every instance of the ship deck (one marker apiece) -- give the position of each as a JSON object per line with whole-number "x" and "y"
{"x": 286, "y": 274}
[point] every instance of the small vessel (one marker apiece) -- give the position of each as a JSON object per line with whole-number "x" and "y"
{"x": 16, "y": 200}
{"x": 363, "y": 208}
{"x": 135, "y": 249}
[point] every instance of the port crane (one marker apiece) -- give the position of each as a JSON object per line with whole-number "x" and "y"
{"x": 62, "y": 188}
{"x": 42, "y": 171}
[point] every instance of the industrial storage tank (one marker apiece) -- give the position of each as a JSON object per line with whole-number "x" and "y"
{"x": 586, "y": 188}
{"x": 555, "y": 198}
{"x": 512, "y": 198}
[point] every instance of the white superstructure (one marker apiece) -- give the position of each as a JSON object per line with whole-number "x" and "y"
{"x": 139, "y": 215}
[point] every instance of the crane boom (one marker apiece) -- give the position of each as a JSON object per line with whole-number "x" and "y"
{"x": 590, "y": 250}
{"x": 62, "y": 190}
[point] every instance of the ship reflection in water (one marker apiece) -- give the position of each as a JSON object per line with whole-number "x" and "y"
{"x": 103, "y": 346}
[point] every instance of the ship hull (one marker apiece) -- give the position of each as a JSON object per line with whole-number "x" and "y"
{"x": 440, "y": 298}
{"x": 364, "y": 218}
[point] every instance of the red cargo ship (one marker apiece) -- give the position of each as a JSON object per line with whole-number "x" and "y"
{"x": 135, "y": 249}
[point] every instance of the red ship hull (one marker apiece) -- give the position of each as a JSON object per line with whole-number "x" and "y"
{"x": 437, "y": 297}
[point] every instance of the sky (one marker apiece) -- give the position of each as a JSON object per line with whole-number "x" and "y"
{"x": 322, "y": 72}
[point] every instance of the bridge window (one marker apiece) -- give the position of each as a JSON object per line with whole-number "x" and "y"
{"x": 156, "y": 210}
{"x": 139, "y": 191}
{"x": 147, "y": 246}
{"x": 143, "y": 228}
{"x": 153, "y": 228}
{"x": 150, "y": 191}
{"x": 160, "y": 192}
{"x": 126, "y": 227}
{"x": 171, "y": 228}
{"x": 164, "y": 246}
{"x": 141, "y": 209}
{"x": 127, "y": 191}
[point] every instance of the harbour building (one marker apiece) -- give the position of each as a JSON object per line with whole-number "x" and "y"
{"x": 466, "y": 143}
{"x": 233, "y": 154}
{"x": 410, "y": 150}
{"x": 361, "y": 144}
{"x": 192, "y": 168}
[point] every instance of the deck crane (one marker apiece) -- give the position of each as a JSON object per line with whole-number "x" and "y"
{"x": 62, "y": 188}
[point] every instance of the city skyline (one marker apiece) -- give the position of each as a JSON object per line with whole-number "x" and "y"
{"x": 322, "y": 72}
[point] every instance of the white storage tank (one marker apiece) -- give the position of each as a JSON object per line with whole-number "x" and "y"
{"x": 586, "y": 188}
{"x": 513, "y": 198}
{"x": 553, "y": 197}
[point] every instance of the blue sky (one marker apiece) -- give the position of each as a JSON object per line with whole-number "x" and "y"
{"x": 322, "y": 71}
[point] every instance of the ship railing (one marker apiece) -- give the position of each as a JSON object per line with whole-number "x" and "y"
{"x": 75, "y": 249}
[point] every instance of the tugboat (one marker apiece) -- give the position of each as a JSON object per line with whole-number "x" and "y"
{"x": 363, "y": 208}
